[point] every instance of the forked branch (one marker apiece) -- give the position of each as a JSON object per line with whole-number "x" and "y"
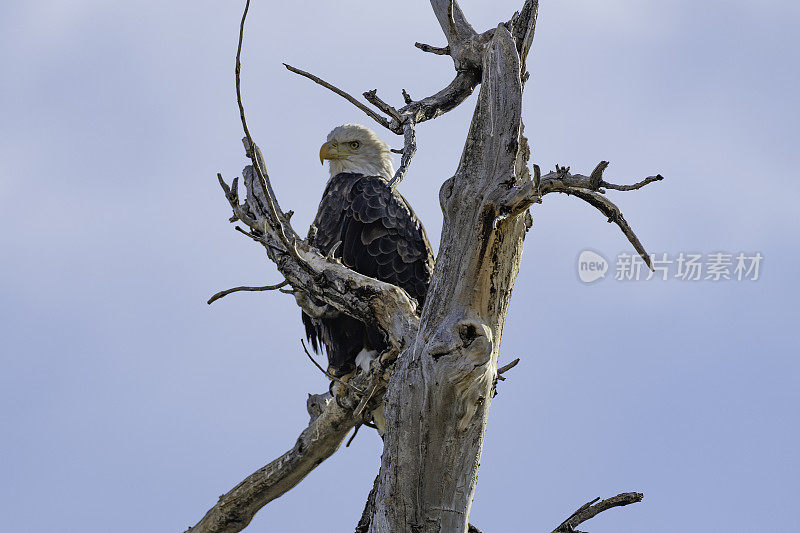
{"x": 466, "y": 47}
{"x": 590, "y": 189}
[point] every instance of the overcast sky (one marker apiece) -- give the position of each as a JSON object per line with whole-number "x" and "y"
{"x": 129, "y": 405}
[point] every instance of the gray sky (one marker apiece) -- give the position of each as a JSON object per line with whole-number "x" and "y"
{"x": 129, "y": 404}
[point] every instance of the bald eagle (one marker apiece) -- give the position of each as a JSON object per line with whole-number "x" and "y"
{"x": 372, "y": 229}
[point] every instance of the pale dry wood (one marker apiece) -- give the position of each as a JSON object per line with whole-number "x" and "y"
{"x": 438, "y": 396}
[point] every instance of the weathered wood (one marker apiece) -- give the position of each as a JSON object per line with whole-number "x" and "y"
{"x": 439, "y": 394}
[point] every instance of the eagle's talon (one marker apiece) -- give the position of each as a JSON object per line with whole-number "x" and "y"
{"x": 338, "y": 387}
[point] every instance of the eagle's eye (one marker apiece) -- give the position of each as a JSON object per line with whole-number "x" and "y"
{"x": 354, "y": 145}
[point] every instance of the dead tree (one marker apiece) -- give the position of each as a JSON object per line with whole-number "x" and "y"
{"x": 438, "y": 377}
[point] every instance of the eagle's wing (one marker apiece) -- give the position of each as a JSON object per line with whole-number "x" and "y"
{"x": 380, "y": 237}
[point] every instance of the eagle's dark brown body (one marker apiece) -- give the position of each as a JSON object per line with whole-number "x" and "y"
{"x": 380, "y": 237}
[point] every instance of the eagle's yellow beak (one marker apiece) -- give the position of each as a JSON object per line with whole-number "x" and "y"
{"x": 329, "y": 150}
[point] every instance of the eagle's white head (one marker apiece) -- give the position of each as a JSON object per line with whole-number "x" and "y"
{"x": 355, "y": 148}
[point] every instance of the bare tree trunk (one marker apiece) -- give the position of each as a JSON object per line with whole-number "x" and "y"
{"x": 439, "y": 394}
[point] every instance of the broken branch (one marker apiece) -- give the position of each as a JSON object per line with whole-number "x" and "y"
{"x": 438, "y": 50}
{"x": 503, "y": 369}
{"x": 592, "y": 509}
{"x": 639, "y": 185}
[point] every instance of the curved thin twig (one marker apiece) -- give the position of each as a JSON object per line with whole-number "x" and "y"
{"x": 649, "y": 179}
{"x": 222, "y": 294}
{"x": 328, "y": 374}
{"x": 372, "y": 114}
{"x": 239, "y": 70}
{"x": 614, "y": 214}
{"x": 252, "y": 152}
